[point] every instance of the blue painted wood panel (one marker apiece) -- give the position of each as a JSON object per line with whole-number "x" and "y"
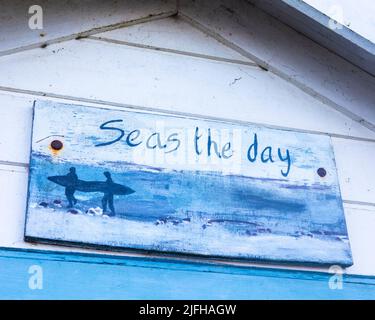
{"x": 115, "y": 178}
{"x": 92, "y": 276}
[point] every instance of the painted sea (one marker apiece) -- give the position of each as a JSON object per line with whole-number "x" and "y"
{"x": 191, "y": 212}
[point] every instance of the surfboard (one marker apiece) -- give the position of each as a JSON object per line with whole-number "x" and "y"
{"x": 92, "y": 186}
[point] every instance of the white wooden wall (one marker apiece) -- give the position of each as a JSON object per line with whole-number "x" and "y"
{"x": 204, "y": 61}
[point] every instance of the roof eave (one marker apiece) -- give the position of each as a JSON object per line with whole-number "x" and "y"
{"x": 316, "y": 25}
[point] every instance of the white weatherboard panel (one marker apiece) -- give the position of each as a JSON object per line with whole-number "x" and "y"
{"x": 173, "y": 82}
{"x": 13, "y": 182}
{"x": 361, "y": 226}
{"x": 63, "y": 18}
{"x": 173, "y": 33}
{"x": 284, "y": 49}
{"x": 15, "y": 124}
{"x": 357, "y": 171}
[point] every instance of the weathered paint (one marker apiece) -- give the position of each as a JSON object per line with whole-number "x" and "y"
{"x": 184, "y": 185}
{"x": 89, "y": 276}
{"x": 86, "y": 66}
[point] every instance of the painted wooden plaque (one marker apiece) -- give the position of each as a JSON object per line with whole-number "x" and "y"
{"x": 136, "y": 180}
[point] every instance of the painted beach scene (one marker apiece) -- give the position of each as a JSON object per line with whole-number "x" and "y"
{"x": 128, "y": 179}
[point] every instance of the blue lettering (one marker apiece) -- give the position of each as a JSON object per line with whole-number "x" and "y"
{"x": 253, "y": 150}
{"x": 196, "y": 138}
{"x": 226, "y": 148}
{"x": 104, "y": 127}
{"x": 173, "y": 139}
{"x": 130, "y": 139}
{"x": 286, "y": 158}
{"x": 267, "y": 155}
{"x": 210, "y": 143}
{"x": 158, "y": 142}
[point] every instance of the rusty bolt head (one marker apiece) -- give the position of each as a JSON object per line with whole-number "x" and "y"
{"x": 56, "y": 145}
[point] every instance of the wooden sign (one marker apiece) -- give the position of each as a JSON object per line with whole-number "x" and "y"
{"x": 135, "y": 180}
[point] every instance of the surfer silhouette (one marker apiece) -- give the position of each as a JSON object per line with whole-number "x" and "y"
{"x": 70, "y": 188}
{"x": 71, "y": 183}
{"x": 108, "y": 194}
